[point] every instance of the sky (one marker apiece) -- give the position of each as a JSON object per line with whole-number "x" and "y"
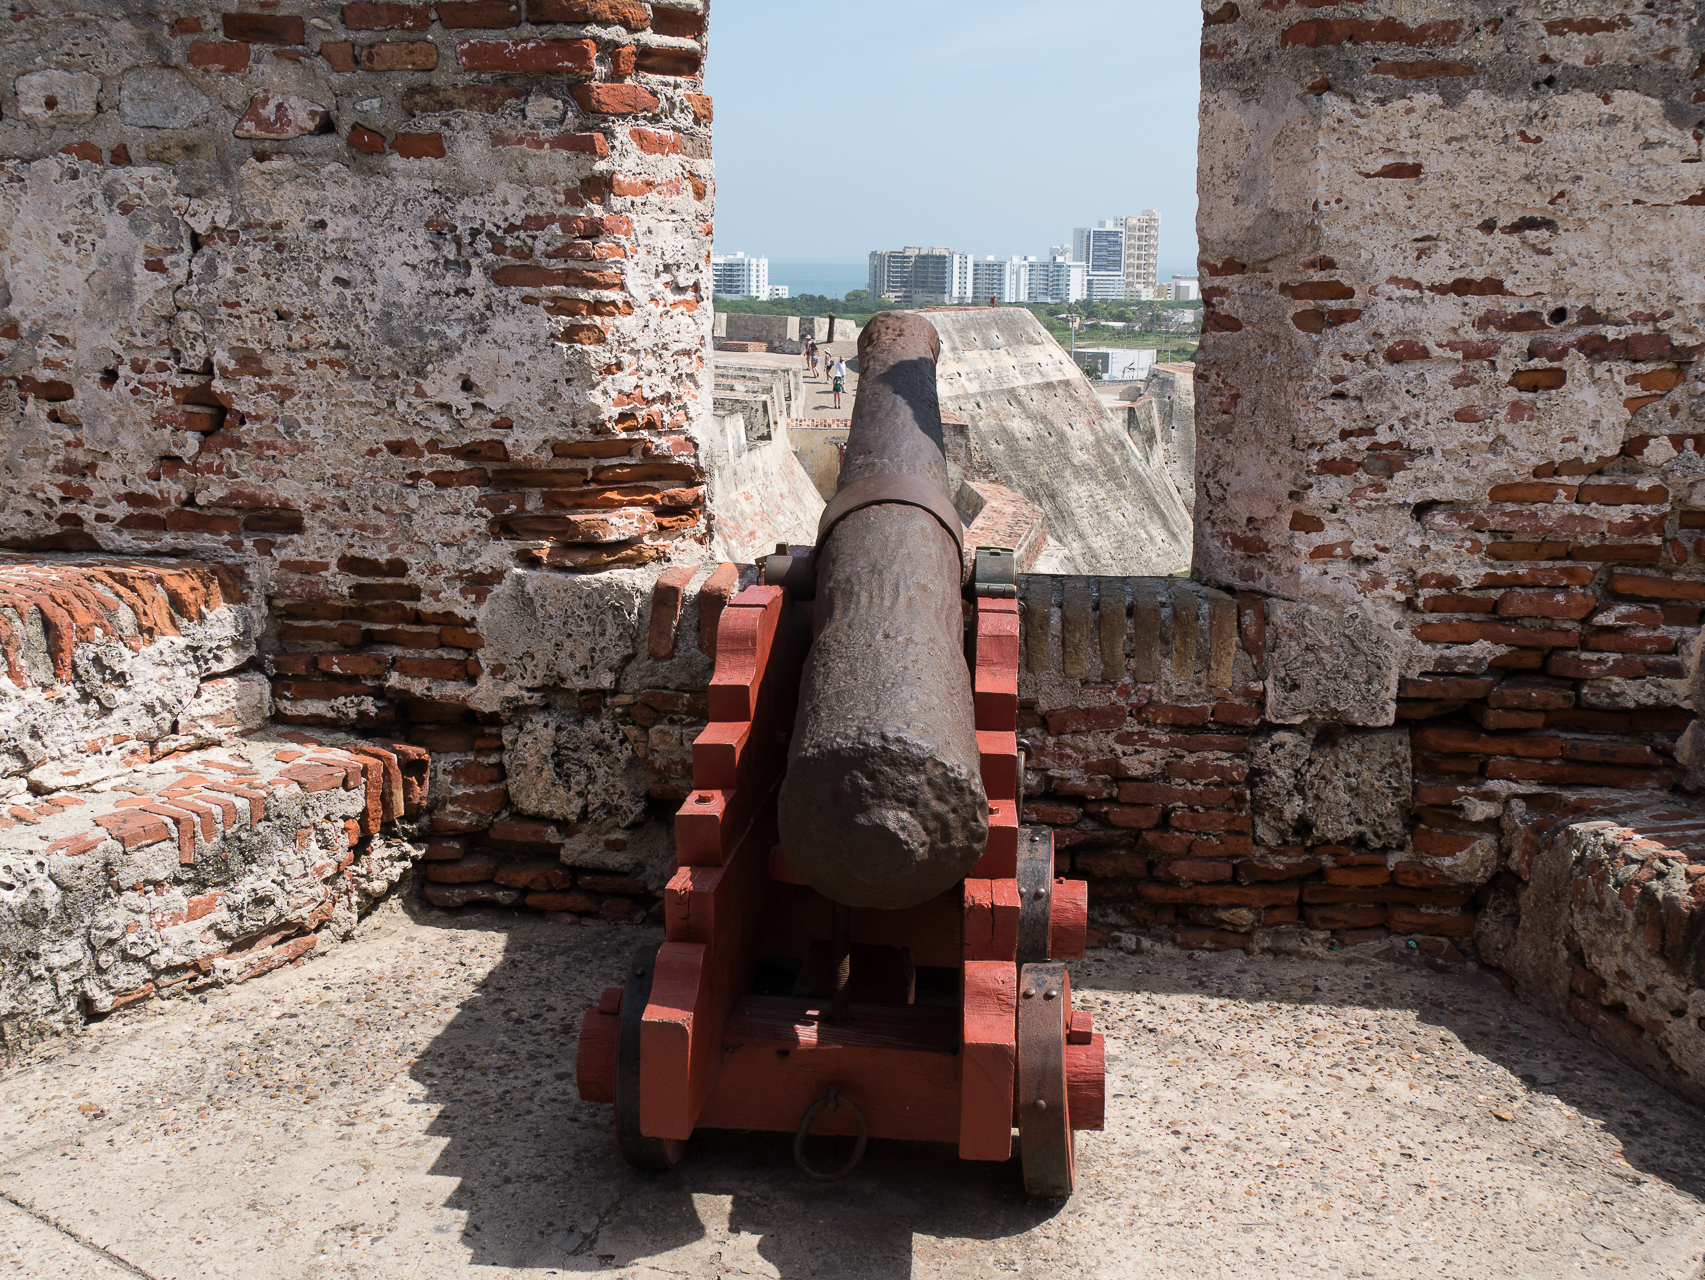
{"x": 992, "y": 127}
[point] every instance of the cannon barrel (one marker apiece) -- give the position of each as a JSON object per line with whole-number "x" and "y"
{"x": 883, "y": 803}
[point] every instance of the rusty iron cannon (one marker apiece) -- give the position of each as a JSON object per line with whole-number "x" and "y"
{"x": 862, "y": 938}
{"x": 883, "y": 804}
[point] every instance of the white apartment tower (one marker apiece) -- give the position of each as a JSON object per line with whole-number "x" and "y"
{"x": 737, "y": 276}
{"x": 1000, "y": 279}
{"x": 1060, "y": 279}
{"x": 1122, "y": 256}
{"x": 1142, "y": 255}
{"x": 964, "y": 278}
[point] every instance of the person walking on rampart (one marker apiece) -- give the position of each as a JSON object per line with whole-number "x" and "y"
{"x": 809, "y": 351}
{"x": 838, "y": 371}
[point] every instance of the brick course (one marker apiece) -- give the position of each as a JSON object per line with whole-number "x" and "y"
{"x": 181, "y": 859}
{"x": 211, "y": 457}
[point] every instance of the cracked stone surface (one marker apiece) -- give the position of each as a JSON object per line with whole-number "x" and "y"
{"x": 406, "y": 1107}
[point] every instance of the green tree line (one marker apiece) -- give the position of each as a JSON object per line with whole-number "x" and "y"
{"x": 1172, "y": 328}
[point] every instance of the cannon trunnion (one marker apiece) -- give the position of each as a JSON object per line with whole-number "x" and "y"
{"x": 873, "y": 959}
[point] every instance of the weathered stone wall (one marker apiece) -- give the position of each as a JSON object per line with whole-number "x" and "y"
{"x": 1599, "y": 923}
{"x": 1454, "y": 264}
{"x": 1449, "y": 408}
{"x": 393, "y": 310}
{"x": 585, "y": 777}
{"x": 373, "y": 304}
{"x": 156, "y": 834}
{"x": 1456, "y": 303}
{"x": 1016, "y": 411}
{"x": 1172, "y": 388}
{"x": 390, "y": 316}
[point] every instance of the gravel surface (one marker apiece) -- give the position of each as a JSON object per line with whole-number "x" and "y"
{"x": 405, "y": 1107}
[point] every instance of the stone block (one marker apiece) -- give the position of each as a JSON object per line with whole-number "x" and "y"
{"x": 555, "y": 630}
{"x": 576, "y": 769}
{"x": 1329, "y": 664}
{"x": 57, "y": 97}
{"x": 1331, "y": 787}
{"x": 161, "y": 98}
{"x": 227, "y": 706}
{"x": 282, "y": 115}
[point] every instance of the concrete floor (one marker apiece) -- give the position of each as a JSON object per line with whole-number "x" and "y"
{"x": 405, "y": 1108}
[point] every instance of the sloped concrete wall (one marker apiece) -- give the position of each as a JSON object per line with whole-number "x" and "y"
{"x": 763, "y": 494}
{"x": 1027, "y": 419}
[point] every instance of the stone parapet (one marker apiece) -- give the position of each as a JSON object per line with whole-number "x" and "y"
{"x": 1138, "y": 698}
{"x": 207, "y": 867}
{"x": 1002, "y": 518}
{"x": 1598, "y": 920}
{"x": 106, "y": 661}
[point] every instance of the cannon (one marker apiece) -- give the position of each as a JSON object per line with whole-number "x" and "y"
{"x": 862, "y": 938}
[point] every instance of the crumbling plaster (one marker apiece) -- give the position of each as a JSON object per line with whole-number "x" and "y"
{"x": 1601, "y": 165}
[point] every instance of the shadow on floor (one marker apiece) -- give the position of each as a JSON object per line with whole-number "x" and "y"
{"x": 542, "y": 1184}
{"x": 543, "y": 1187}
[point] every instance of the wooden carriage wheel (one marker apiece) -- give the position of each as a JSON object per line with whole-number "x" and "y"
{"x": 653, "y": 1155}
{"x": 1047, "y": 1144}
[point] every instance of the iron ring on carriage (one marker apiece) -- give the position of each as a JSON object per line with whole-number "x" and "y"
{"x": 832, "y": 1100}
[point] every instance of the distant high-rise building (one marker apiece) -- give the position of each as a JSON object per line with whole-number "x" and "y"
{"x": 1101, "y": 249}
{"x": 1001, "y": 279}
{"x": 1122, "y": 255}
{"x": 734, "y": 275}
{"x": 891, "y": 272}
{"x": 964, "y": 278}
{"x": 1142, "y": 255}
{"x": 921, "y": 277}
{"x": 1060, "y": 279}
{"x": 1184, "y": 289}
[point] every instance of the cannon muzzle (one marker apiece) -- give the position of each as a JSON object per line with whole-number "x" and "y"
{"x": 883, "y": 803}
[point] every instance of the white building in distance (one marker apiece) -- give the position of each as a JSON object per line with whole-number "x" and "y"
{"x": 1118, "y": 364}
{"x": 1000, "y": 280}
{"x": 1121, "y": 255}
{"x": 734, "y": 275}
{"x": 1101, "y": 249}
{"x": 1185, "y": 289}
{"x": 919, "y": 276}
{"x": 1060, "y": 279}
{"x": 1142, "y": 255}
{"x": 933, "y": 277}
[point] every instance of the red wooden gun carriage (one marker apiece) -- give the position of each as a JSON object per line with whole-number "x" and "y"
{"x": 770, "y": 1006}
